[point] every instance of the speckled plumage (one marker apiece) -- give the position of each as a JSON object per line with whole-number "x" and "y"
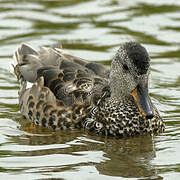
{"x": 69, "y": 92}
{"x": 117, "y": 118}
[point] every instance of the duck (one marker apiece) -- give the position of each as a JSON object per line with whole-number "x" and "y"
{"x": 69, "y": 92}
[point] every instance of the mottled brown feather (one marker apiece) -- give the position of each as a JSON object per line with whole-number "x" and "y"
{"x": 63, "y": 92}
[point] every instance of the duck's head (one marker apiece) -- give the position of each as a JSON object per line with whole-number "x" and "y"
{"x": 129, "y": 76}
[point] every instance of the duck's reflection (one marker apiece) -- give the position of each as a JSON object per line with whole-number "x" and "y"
{"x": 127, "y": 157}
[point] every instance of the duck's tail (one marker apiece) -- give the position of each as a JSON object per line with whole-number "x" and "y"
{"x": 28, "y": 61}
{"x": 23, "y": 66}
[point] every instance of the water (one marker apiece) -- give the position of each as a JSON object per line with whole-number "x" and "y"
{"x": 92, "y": 29}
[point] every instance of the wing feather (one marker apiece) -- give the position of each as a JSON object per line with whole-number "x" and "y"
{"x": 72, "y": 80}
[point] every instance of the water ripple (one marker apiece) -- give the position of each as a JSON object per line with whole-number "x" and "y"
{"x": 92, "y": 29}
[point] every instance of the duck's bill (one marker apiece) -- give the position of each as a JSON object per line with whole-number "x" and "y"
{"x": 143, "y": 101}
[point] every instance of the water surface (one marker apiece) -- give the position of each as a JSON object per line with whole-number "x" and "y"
{"x": 92, "y": 29}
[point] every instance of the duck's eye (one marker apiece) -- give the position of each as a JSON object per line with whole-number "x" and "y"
{"x": 125, "y": 67}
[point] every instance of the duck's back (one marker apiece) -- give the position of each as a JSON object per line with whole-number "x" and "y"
{"x": 65, "y": 87}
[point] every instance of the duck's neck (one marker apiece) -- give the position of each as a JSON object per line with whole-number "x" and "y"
{"x": 125, "y": 99}
{"x": 117, "y": 91}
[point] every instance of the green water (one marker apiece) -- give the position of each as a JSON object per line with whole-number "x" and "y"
{"x": 91, "y": 29}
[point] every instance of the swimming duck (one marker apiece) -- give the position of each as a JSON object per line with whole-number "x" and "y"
{"x": 69, "y": 92}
